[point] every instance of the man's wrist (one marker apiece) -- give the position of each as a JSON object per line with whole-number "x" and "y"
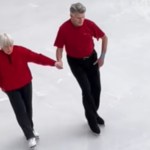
{"x": 102, "y": 56}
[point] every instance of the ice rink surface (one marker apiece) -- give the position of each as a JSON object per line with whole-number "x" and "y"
{"x": 58, "y": 110}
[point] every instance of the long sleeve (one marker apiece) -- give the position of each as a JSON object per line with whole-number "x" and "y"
{"x": 37, "y": 58}
{"x": 16, "y": 74}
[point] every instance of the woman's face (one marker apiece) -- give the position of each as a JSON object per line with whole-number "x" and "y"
{"x": 8, "y": 50}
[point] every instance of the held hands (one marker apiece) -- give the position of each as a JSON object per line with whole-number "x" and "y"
{"x": 59, "y": 64}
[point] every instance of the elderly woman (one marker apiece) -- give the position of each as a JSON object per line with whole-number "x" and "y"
{"x": 16, "y": 81}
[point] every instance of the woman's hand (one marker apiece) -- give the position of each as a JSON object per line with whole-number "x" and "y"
{"x": 59, "y": 64}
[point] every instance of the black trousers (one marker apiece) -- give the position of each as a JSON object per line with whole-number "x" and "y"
{"x": 88, "y": 76}
{"x": 21, "y": 101}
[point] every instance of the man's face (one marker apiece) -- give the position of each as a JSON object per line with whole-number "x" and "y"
{"x": 77, "y": 18}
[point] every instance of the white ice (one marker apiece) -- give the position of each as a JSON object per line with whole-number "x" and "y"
{"x": 58, "y": 110}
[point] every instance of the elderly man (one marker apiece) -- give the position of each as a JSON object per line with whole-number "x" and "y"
{"x": 76, "y": 35}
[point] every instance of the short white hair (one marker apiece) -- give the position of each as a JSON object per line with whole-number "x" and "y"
{"x": 77, "y": 8}
{"x": 5, "y": 40}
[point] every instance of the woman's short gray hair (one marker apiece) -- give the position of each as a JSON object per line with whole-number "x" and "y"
{"x": 5, "y": 40}
{"x": 77, "y": 8}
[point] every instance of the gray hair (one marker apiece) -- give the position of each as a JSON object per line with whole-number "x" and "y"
{"x": 77, "y": 8}
{"x": 5, "y": 40}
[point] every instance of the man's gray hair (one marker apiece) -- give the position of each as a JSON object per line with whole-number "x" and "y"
{"x": 77, "y": 8}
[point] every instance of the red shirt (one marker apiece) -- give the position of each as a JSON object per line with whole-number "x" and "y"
{"x": 78, "y": 41}
{"x": 14, "y": 70}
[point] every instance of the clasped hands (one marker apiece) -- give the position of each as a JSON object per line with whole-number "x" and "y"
{"x": 59, "y": 64}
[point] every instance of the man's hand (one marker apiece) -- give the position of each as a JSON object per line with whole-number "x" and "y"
{"x": 100, "y": 62}
{"x": 59, "y": 64}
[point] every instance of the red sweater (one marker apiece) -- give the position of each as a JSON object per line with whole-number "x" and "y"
{"x": 78, "y": 40}
{"x": 14, "y": 70}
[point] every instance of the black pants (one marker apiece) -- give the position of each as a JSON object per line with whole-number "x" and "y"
{"x": 88, "y": 76}
{"x": 21, "y": 101}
